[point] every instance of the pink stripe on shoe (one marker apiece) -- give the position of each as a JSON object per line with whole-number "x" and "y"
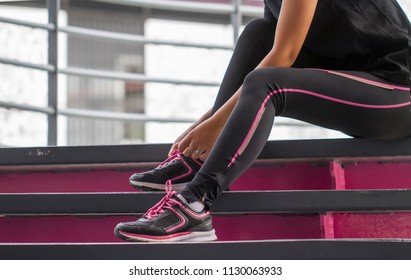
{"x": 179, "y": 225}
{"x": 153, "y": 237}
{"x": 190, "y": 170}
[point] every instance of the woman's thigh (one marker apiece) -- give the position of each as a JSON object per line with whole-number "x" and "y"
{"x": 356, "y": 103}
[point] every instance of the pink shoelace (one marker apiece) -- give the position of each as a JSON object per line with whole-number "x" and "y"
{"x": 166, "y": 202}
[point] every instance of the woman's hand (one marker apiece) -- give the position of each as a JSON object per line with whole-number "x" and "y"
{"x": 198, "y": 143}
{"x": 174, "y": 147}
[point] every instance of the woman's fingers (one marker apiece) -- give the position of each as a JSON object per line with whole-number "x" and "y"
{"x": 190, "y": 148}
{"x": 198, "y": 153}
{"x": 173, "y": 148}
{"x": 198, "y": 143}
{"x": 185, "y": 146}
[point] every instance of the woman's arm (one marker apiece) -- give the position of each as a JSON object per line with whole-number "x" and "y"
{"x": 292, "y": 28}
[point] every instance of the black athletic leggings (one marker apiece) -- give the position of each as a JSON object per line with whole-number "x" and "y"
{"x": 356, "y": 103}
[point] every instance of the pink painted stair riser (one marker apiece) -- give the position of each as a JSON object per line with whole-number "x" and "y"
{"x": 296, "y": 176}
{"x": 100, "y": 229}
{"x": 291, "y": 176}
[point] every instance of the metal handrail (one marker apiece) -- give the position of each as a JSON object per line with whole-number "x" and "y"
{"x": 25, "y": 23}
{"x": 119, "y": 116}
{"x": 53, "y": 8}
{"x": 174, "y": 5}
{"x": 184, "y": 6}
{"x": 129, "y": 77}
{"x": 42, "y": 67}
{"x": 235, "y": 9}
{"x": 87, "y": 32}
{"x": 130, "y": 117}
{"x": 103, "y": 74}
{"x": 24, "y": 107}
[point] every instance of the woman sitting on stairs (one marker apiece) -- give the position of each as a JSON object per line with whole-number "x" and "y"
{"x": 342, "y": 65}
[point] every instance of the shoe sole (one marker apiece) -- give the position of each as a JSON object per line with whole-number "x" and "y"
{"x": 144, "y": 186}
{"x": 197, "y": 236}
{"x": 150, "y": 187}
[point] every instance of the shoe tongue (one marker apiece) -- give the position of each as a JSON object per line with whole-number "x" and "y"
{"x": 168, "y": 161}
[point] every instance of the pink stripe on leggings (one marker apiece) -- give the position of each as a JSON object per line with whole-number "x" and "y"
{"x": 362, "y": 80}
{"x": 261, "y": 111}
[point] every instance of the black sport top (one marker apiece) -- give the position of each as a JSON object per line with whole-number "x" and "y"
{"x": 359, "y": 35}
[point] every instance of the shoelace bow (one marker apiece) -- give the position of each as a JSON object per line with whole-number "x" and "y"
{"x": 174, "y": 156}
{"x": 166, "y": 202}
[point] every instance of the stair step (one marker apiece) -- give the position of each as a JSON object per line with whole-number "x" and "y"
{"x": 239, "y": 250}
{"x": 283, "y": 165}
{"x": 277, "y": 150}
{"x": 71, "y": 228}
{"x": 114, "y": 177}
{"x": 230, "y": 202}
{"x": 100, "y": 228}
{"x": 377, "y": 174}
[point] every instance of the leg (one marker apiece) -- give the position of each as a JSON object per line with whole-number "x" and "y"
{"x": 253, "y": 45}
{"x": 364, "y": 107}
{"x": 358, "y": 105}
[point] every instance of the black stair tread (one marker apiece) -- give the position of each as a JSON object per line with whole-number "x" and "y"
{"x": 339, "y": 249}
{"x": 284, "y": 149}
{"x": 230, "y": 202}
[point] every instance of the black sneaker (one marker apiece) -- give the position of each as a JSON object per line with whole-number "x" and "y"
{"x": 169, "y": 220}
{"x": 177, "y": 168}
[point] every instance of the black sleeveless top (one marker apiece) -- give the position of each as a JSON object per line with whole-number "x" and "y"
{"x": 360, "y": 35}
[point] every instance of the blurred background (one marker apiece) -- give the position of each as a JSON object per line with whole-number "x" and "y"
{"x": 128, "y": 71}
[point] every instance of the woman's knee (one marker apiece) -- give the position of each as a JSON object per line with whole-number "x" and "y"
{"x": 255, "y": 82}
{"x": 266, "y": 78}
{"x": 266, "y": 83}
{"x": 261, "y": 29}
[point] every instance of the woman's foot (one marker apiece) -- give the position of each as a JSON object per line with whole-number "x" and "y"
{"x": 177, "y": 168}
{"x": 170, "y": 220}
